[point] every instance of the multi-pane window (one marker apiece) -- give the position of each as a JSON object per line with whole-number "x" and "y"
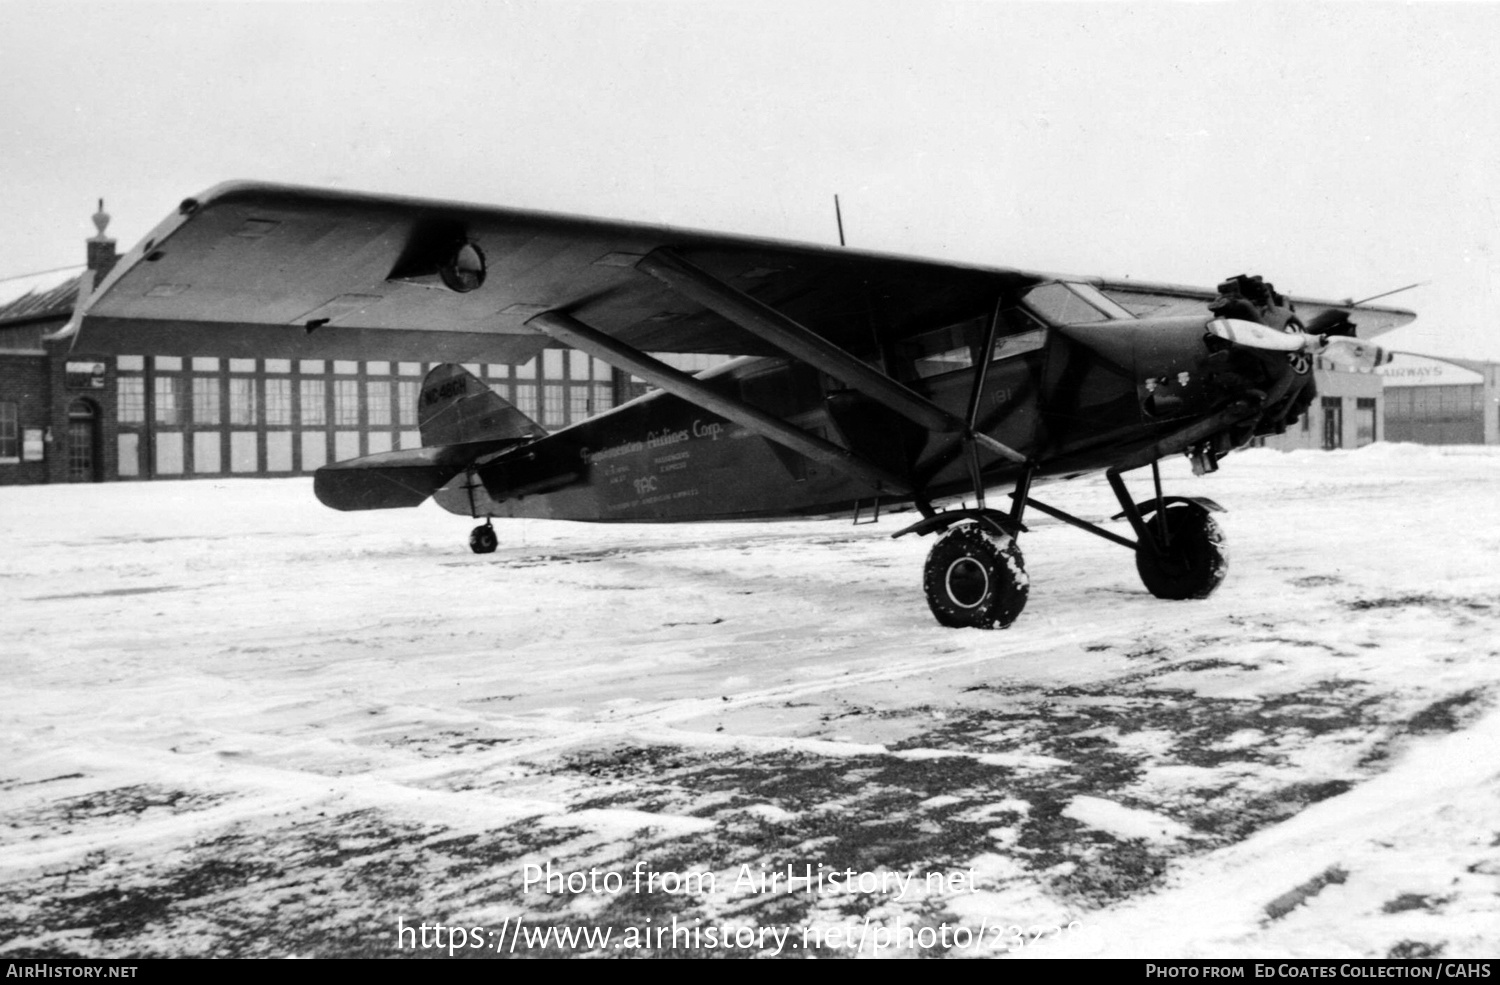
{"x": 10, "y": 433}
{"x": 205, "y": 400}
{"x": 346, "y": 402}
{"x": 526, "y": 400}
{"x": 278, "y": 401}
{"x": 526, "y": 371}
{"x": 578, "y": 403}
{"x": 552, "y": 364}
{"x": 378, "y": 403}
{"x": 242, "y": 400}
{"x": 552, "y": 406}
{"x": 130, "y": 392}
{"x": 604, "y": 398}
{"x": 168, "y": 399}
{"x": 314, "y": 414}
{"x": 406, "y": 402}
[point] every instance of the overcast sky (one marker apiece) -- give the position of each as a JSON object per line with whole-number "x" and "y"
{"x": 1339, "y": 150}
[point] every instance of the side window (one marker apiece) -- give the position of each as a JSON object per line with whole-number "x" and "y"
{"x": 943, "y": 350}
{"x": 1060, "y": 306}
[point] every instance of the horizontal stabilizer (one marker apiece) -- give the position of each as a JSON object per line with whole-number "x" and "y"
{"x": 396, "y": 479}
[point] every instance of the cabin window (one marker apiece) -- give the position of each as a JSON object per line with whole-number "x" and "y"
{"x": 943, "y": 350}
{"x": 1073, "y": 304}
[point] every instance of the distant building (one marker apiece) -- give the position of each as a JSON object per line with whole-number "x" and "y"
{"x": 1347, "y": 413}
{"x": 1442, "y": 402}
{"x": 70, "y": 416}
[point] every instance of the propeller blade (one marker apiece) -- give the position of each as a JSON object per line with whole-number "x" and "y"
{"x": 1352, "y": 353}
{"x": 1257, "y": 336}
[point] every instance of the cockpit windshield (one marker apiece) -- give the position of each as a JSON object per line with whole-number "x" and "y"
{"x": 1072, "y": 303}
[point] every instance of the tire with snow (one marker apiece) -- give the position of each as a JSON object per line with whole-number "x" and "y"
{"x": 482, "y": 540}
{"x": 1194, "y": 562}
{"x": 975, "y": 578}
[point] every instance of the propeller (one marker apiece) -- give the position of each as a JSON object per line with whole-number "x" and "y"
{"x": 1346, "y": 350}
{"x": 1329, "y": 335}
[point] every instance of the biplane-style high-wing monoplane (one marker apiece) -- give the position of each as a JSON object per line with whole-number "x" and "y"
{"x": 867, "y": 379}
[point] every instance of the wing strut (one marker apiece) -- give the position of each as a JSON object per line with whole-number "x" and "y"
{"x": 759, "y": 319}
{"x": 575, "y": 333}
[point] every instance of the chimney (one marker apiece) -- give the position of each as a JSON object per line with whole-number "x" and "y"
{"x": 102, "y": 255}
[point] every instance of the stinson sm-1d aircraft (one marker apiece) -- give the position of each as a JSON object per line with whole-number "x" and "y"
{"x": 867, "y": 381}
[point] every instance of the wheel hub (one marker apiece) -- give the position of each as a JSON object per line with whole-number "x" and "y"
{"x": 967, "y": 582}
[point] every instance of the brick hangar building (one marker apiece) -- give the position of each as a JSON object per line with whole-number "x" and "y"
{"x": 72, "y": 416}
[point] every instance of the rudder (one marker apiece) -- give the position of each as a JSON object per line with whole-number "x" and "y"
{"x": 455, "y": 407}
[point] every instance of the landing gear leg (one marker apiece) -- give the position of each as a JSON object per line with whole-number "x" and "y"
{"x": 482, "y": 539}
{"x": 1179, "y": 554}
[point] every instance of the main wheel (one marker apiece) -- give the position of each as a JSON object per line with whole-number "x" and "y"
{"x": 1193, "y": 563}
{"x": 482, "y": 540}
{"x": 975, "y": 578}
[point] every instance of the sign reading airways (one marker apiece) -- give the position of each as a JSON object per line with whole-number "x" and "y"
{"x": 1407, "y": 370}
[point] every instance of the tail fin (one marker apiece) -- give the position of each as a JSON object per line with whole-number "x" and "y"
{"x": 457, "y": 408}
{"x": 461, "y": 421}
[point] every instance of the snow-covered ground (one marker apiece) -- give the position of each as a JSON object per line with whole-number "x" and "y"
{"x": 236, "y": 723}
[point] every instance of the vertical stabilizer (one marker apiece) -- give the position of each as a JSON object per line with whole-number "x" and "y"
{"x": 455, "y": 408}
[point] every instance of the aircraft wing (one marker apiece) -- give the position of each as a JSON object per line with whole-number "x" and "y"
{"x": 256, "y": 269}
{"x": 1147, "y": 300}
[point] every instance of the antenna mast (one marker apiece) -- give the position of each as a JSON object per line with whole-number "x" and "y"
{"x": 839, "y": 215}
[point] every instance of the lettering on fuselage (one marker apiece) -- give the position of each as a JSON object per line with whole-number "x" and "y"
{"x": 444, "y": 390}
{"x": 700, "y": 430}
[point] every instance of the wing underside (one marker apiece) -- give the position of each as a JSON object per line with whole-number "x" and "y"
{"x": 281, "y": 270}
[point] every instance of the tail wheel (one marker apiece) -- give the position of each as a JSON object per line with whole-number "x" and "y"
{"x": 482, "y": 539}
{"x": 1193, "y": 562}
{"x": 975, "y": 578}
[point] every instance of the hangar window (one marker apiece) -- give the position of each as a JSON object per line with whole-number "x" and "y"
{"x": 241, "y": 400}
{"x": 314, "y": 413}
{"x": 206, "y": 400}
{"x": 578, "y": 403}
{"x": 406, "y": 403}
{"x": 552, "y": 406}
{"x": 168, "y": 392}
{"x": 278, "y": 402}
{"x": 346, "y": 402}
{"x": 130, "y": 394}
{"x": 378, "y": 402}
{"x": 10, "y": 436}
{"x": 526, "y": 400}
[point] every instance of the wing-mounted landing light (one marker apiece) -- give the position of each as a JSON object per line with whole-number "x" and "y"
{"x": 440, "y": 254}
